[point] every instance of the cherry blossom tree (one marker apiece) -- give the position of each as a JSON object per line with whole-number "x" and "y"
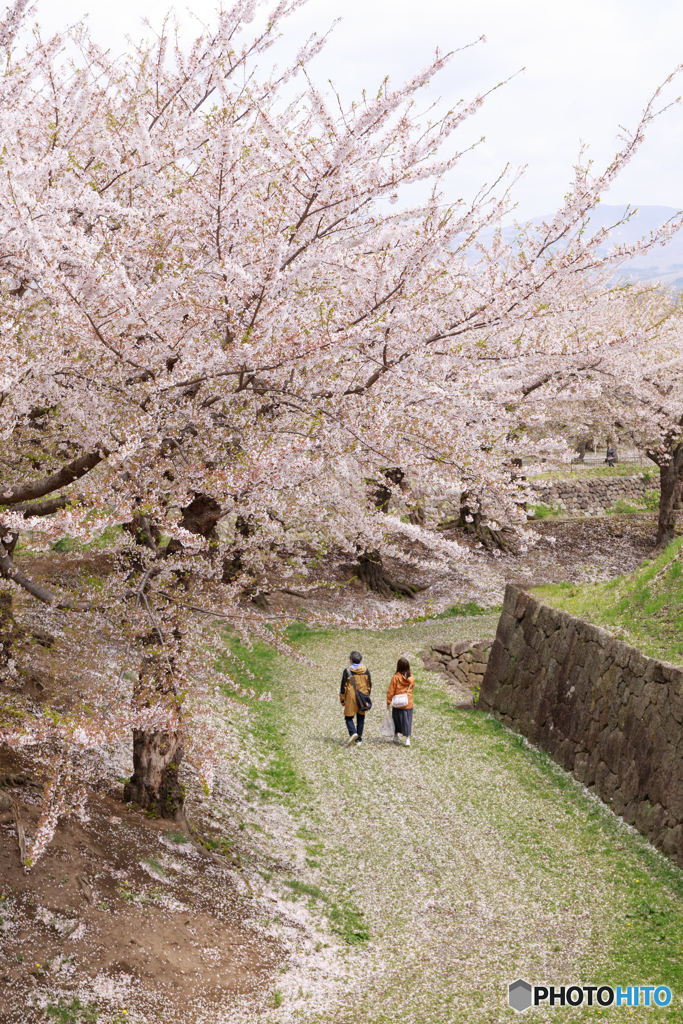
{"x": 219, "y": 324}
{"x": 632, "y": 389}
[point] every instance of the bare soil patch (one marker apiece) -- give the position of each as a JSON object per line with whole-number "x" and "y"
{"x": 124, "y": 908}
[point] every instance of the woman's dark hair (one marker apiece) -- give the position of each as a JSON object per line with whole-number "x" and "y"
{"x": 403, "y": 666}
{"x": 355, "y": 657}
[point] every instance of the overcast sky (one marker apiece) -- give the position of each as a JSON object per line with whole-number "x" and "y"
{"x": 590, "y": 66}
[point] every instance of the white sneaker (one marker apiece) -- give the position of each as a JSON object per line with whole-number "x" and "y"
{"x": 407, "y": 741}
{"x": 352, "y": 740}
{"x": 395, "y": 739}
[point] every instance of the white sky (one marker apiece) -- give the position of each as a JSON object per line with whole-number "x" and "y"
{"x": 590, "y": 66}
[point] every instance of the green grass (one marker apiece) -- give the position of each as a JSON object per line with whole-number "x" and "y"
{"x": 347, "y": 922}
{"x": 281, "y": 774}
{"x": 577, "y": 473}
{"x": 646, "y": 941}
{"x": 546, "y": 511}
{"x": 622, "y": 507}
{"x": 562, "y": 831}
{"x": 219, "y": 844}
{"x": 303, "y": 889}
{"x": 650, "y": 503}
{"x": 155, "y": 865}
{"x": 457, "y": 610}
{"x": 314, "y": 846}
{"x": 177, "y": 837}
{"x": 300, "y": 631}
{"x": 283, "y": 780}
{"x": 644, "y": 607}
{"x": 106, "y": 539}
{"x": 74, "y": 1012}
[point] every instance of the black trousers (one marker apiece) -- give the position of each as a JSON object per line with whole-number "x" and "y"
{"x": 358, "y": 728}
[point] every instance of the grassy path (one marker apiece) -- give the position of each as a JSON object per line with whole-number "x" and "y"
{"x": 470, "y": 858}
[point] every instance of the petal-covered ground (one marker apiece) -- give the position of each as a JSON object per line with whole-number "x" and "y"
{"x": 470, "y": 859}
{"x": 368, "y": 885}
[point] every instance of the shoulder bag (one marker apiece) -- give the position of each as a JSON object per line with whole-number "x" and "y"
{"x": 363, "y": 700}
{"x": 401, "y": 699}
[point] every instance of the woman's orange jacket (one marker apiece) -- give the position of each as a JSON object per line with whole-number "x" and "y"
{"x": 399, "y": 684}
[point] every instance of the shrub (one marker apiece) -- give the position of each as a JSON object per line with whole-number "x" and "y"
{"x": 544, "y": 511}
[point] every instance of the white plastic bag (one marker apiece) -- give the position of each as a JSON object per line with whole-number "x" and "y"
{"x": 386, "y": 729}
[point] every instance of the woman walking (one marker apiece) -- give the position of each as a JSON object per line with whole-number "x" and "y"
{"x": 400, "y": 700}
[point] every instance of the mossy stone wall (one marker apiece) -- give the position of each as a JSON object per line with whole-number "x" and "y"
{"x": 599, "y": 707}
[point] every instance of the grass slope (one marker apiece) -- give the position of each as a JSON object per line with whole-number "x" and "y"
{"x": 644, "y": 607}
{"x": 585, "y": 473}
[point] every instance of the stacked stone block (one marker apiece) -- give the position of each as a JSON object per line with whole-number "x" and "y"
{"x": 575, "y": 497}
{"x": 598, "y": 706}
{"x": 463, "y": 664}
{"x": 594, "y": 496}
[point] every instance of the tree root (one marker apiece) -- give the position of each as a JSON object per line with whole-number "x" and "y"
{"x": 472, "y": 523}
{"x": 371, "y": 573}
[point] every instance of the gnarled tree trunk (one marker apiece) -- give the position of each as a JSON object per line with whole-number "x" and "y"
{"x": 670, "y": 491}
{"x": 371, "y": 573}
{"x": 370, "y": 568}
{"x": 157, "y": 754}
{"x": 472, "y": 522}
{"x": 678, "y": 496}
{"x": 154, "y": 785}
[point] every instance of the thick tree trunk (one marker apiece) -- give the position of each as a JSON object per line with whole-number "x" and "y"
{"x": 154, "y": 785}
{"x": 669, "y": 485}
{"x": 472, "y": 522}
{"x": 157, "y": 754}
{"x": 417, "y": 513}
{"x": 678, "y": 496}
{"x": 381, "y": 495}
{"x": 371, "y": 573}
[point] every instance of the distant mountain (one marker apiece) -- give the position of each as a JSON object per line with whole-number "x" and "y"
{"x": 663, "y": 263}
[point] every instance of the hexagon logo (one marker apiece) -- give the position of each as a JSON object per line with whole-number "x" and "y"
{"x": 519, "y": 995}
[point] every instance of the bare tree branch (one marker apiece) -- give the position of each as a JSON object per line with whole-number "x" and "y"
{"x": 62, "y": 478}
{"x": 45, "y": 508}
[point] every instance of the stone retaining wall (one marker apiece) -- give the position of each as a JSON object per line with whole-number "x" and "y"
{"x": 590, "y": 497}
{"x": 463, "y": 664}
{"x": 600, "y": 707}
{"x": 594, "y": 496}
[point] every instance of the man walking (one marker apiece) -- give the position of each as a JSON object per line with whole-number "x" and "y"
{"x": 354, "y": 678}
